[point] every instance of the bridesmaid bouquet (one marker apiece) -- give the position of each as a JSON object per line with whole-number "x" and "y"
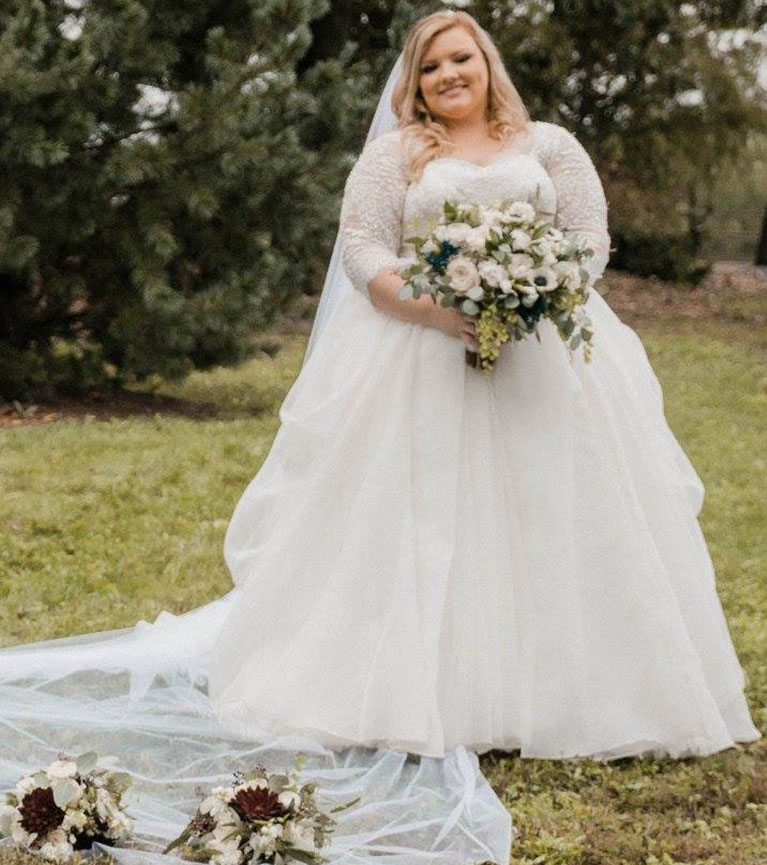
{"x": 261, "y": 818}
{"x": 508, "y": 269}
{"x": 67, "y": 807}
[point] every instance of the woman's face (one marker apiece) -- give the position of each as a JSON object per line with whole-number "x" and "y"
{"x": 453, "y": 77}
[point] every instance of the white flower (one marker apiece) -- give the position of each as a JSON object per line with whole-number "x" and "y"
{"x": 491, "y": 271}
{"x": 462, "y": 273}
{"x": 74, "y": 819}
{"x": 507, "y": 286}
{"x": 18, "y": 833}
{"x": 223, "y": 830}
{"x": 476, "y": 239}
{"x": 456, "y": 233}
{"x": 544, "y": 279}
{"x": 299, "y": 835}
{"x": 569, "y": 273}
{"x": 61, "y": 769}
{"x": 521, "y": 260}
{"x": 24, "y": 786}
{"x": 520, "y": 211}
{"x": 273, "y": 831}
{"x": 492, "y": 216}
{"x": 7, "y": 813}
{"x": 227, "y": 853}
{"x": 290, "y": 799}
{"x": 521, "y": 240}
{"x": 213, "y": 805}
{"x": 529, "y": 297}
{"x": 57, "y": 847}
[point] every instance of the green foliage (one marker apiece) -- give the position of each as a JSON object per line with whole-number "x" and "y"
{"x": 664, "y": 96}
{"x": 159, "y": 165}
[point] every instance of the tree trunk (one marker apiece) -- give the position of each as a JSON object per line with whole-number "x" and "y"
{"x": 761, "y": 247}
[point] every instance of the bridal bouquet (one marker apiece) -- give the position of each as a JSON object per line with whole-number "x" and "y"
{"x": 261, "y": 817}
{"x": 507, "y": 268}
{"x": 67, "y": 807}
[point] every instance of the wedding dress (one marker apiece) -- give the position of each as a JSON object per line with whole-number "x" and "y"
{"x": 429, "y": 561}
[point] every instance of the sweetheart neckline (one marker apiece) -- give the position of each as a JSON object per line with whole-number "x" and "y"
{"x": 478, "y": 164}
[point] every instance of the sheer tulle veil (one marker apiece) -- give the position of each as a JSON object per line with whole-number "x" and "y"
{"x": 138, "y": 697}
{"x": 337, "y": 283}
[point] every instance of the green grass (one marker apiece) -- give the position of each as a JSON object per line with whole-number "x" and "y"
{"x": 104, "y": 523}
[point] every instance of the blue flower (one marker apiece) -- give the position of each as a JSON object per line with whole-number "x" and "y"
{"x": 439, "y": 260}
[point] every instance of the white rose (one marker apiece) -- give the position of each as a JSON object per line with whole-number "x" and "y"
{"x": 491, "y": 271}
{"x": 289, "y": 799}
{"x": 520, "y": 210}
{"x": 521, "y": 240}
{"x": 492, "y": 217}
{"x": 457, "y": 232}
{"x": 61, "y": 769}
{"x": 476, "y": 239}
{"x": 462, "y": 273}
{"x": 521, "y": 260}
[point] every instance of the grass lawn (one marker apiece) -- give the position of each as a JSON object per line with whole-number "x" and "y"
{"x": 107, "y": 521}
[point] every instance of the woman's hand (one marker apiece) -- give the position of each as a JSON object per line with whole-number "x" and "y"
{"x": 455, "y": 323}
{"x": 384, "y": 289}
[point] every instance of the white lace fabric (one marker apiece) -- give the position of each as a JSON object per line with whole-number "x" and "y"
{"x": 379, "y": 200}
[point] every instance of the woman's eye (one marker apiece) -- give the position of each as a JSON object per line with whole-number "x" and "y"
{"x": 463, "y": 58}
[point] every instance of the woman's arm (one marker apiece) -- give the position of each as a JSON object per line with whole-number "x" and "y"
{"x": 371, "y": 233}
{"x": 581, "y": 202}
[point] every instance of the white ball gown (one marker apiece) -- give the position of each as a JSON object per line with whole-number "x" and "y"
{"x": 429, "y": 561}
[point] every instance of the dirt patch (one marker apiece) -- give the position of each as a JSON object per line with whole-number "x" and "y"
{"x": 99, "y": 406}
{"x": 732, "y": 291}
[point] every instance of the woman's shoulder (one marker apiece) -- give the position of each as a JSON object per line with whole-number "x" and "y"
{"x": 387, "y": 144}
{"x": 550, "y": 137}
{"x": 555, "y": 145}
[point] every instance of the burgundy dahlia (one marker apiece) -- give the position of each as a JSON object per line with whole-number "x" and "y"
{"x": 257, "y": 804}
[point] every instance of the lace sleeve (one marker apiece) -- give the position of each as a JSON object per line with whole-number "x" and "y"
{"x": 581, "y": 204}
{"x": 371, "y": 210}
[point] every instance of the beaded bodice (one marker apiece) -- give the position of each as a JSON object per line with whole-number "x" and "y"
{"x": 382, "y": 207}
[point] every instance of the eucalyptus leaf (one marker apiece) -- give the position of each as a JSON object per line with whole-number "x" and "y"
{"x": 406, "y": 292}
{"x": 469, "y": 307}
{"x": 86, "y": 762}
{"x": 300, "y": 855}
{"x": 278, "y": 782}
{"x": 65, "y": 790}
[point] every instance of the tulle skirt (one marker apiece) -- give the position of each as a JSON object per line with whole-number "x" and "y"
{"x": 429, "y": 561}
{"x": 431, "y": 557}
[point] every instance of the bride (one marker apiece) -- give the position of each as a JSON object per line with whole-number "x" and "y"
{"x": 430, "y": 563}
{"x": 433, "y": 558}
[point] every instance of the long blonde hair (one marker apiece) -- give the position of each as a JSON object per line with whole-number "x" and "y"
{"x": 506, "y": 113}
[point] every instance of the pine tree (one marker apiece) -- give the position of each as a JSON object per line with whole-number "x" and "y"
{"x": 167, "y": 182}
